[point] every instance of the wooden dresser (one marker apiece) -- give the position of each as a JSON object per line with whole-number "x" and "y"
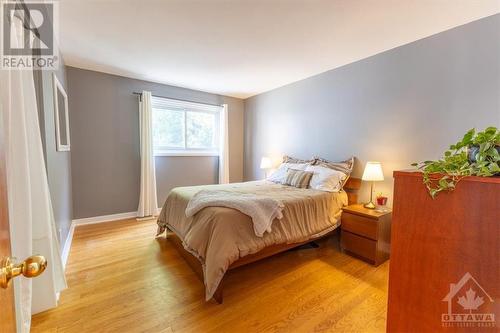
{"x": 445, "y": 257}
{"x": 366, "y": 233}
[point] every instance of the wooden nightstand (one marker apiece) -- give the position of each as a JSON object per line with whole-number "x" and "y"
{"x": 366, "y": 234}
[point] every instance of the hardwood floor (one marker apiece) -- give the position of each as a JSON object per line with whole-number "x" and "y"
{"x": 122, "y": 279}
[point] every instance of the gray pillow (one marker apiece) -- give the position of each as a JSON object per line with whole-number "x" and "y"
{"x": 297, "y": 178}
{"x": 342, "y": 166}
{"x": 289, "y": 159}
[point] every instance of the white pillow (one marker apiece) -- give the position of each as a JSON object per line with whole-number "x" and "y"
{"x": 325, "y": 179}
{"x": 278, "y": 176}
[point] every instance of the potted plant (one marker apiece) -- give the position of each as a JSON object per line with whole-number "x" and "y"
{"x": 381, "y": 199}
{"x": 477, "y": 154}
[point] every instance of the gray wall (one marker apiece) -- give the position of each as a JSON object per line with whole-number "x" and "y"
{"x": 185, "y": 171}
{"x": 105, "y": 143}
{"x": 58, "y": 164}
{"x": 404, "y": 105}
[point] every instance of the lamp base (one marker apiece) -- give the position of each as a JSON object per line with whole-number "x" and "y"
{"x": 369, "y": 205}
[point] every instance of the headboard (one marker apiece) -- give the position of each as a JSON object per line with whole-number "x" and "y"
{"x": 351, "y": 187}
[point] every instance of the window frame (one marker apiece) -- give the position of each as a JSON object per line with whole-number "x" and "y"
{"x": 168, "y": 104}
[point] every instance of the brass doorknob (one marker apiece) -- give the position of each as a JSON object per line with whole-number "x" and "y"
{"x": 30, "y": 268}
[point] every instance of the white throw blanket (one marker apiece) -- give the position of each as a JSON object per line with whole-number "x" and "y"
{"x": 262, "y": 210}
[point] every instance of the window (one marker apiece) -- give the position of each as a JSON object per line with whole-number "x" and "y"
{"x": 185, "y": 128}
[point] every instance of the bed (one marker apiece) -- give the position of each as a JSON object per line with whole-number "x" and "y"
{"x": 219, "y": 239}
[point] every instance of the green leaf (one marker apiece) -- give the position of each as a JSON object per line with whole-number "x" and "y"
{"x": 443, "y": 183}
{"x": 491, "y": 130}
{"x": 494, "y": 167}
{"x": 467, "y": 139}
{"x": 484, "y": 147}
{"x": 493, "y": 152}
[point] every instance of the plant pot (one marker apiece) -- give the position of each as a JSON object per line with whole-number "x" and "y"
{"x": 381, "y": 201}
{"x": 473, "y": 150}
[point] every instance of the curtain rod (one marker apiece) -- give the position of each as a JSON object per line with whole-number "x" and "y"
{"x": 175, "y": 99}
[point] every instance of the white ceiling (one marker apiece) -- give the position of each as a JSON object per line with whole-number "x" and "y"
{"x": 244, "y": 47}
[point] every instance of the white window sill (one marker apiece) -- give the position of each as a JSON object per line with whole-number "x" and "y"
{"x": 186, "y": 153}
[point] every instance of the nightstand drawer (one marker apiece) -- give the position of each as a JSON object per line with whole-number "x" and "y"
{"x": 359, "y": 245}
{"x": 360, "y": 225}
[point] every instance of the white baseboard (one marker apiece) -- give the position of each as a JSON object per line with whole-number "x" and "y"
{"x": 105, "y": 218}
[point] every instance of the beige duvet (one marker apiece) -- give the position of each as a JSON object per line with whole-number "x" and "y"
{"x": 219, "y": 236}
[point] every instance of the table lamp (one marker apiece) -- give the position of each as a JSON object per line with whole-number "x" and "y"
{"x": 266, "y": 164}
{"x": 373, "y": 172}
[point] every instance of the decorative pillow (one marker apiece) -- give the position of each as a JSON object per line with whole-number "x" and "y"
{"x": 342, "y": 166}
{"x": 297, "y": 178}
{"x": 279, "y": 175}
{"x": 326, "y": 179}
{"x": 289, "y": 159}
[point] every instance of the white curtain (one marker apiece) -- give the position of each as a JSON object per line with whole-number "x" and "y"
{"x": 32, "y": 226}
{"x": 224, "y": 147}
{"x": 148, "y": 204}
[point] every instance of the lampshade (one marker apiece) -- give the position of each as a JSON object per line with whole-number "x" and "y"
{"x": 373, "y": 171}
{"x": 265, "y": 163}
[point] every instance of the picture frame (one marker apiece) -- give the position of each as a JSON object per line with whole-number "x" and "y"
{"x": 61, "y": 116}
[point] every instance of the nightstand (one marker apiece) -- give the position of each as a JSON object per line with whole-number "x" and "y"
{"x": 366, "y": 234}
